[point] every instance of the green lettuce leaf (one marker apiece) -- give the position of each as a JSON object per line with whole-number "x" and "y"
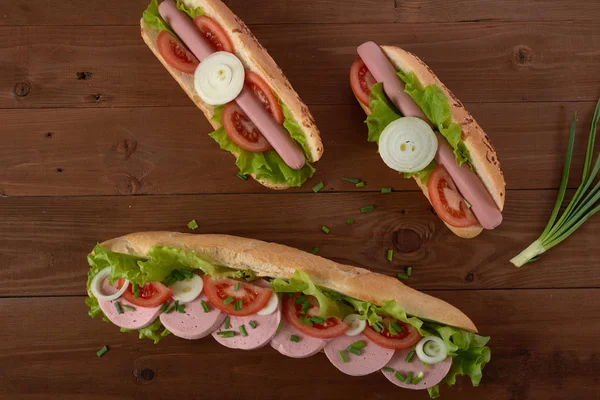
{"x": 436, "y": 107}
{"x": 382, "y": 114}
{"x": 301, "y": 283}
{"x": 372, "y": 313}
{"x": 267, "y": 165}
{"x": 92, "y": 303}
{"x": 192, "y": 13}
{"x": 152, "y": 331}
{"x": 122, "y": 265}
{"x": 434, "y": 392}
{"x": 152, "y": 17}
{"x": 423, "y": 174}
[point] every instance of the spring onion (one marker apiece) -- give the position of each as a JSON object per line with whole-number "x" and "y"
{"x": 388, "y": 369}
{"x": 294, "y": 338}
{"x": 170, "y": 309}
{"x": 349, "y": 221}
{"x": 343, "y": 356}
{"x": 305, "y": 307}
{"x": 301, "y": 300}
{"x": 583, "y": 205}
{"x": 359, "y": 345}
{"x": 395, "y": 328}
{"x": 360, "y": 185}
{"x": 367, "y": 209}
{"x": 408, "y": 271}
{"x": 317, "y": 188}
{"x": 125, "y": 306}
{"x": 205, "y": 306}
{"x": 317, "y": 320}
{"x": 409, "y": 376}
{"x": 238, "y": 305}
{"x": 305, "y": 320}
{"x": 118, "y": 307}
{"x": 242, "y": 176}
{"x": 418, "y": 378}
{"x": 390, "y": 254}
{"x": 135, "y": 288}
{"x": 193, "y": 224}
{"x": 164, "y": 307}
{"x": 386, "y": 190}
{"x": 325, "y": 229}
{"x": 181, "y": 308}
{"x": 237, "y": 286}
{"x": 353, "y": 350}
{"x": 409, "y": 356}
{"x": 399, "y": 376}
{"x": 226, "y": 334}
{"x": 279, "y": 327}
{"x": 252, "y": 324}
{"x": 226, "y": 323}
{"x": 228, "y": 300}
{"x": 351, "y": 180}
{"x": 243, "y": 331}
{"x": 376, "y": 328}
{"x": 102, "y": 351}
{"x": 402, "y": 277}
{"x": 314, "y": 250}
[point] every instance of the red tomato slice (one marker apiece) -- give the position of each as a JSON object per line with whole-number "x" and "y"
{"x": 218, "y": 291}
{"x": 361, "y": 81}
{"x": 331, "y": 328}
{"x": 447, "y": 200}
{"x": 214, "y": 33}
{"x": 407, "y": 337}
{"x": 152, "y": 294}
{"x": 265, "y": 94}
{"x": 242, "y": 131}
{"x": 175, "y": 53}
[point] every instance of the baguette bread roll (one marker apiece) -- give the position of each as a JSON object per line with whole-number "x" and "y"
{"x": 482, "y": 154}
{"x": 275, "y": 260}
{"x": 255, "y": 58}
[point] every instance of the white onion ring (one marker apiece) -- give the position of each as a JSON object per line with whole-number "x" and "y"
{"x": 219, "y": 78}
{"x": 356, "y": 325}
{"x": 441, "y": 352}
{"x": 96, "y": 286}
{"x": 408, "y": 144}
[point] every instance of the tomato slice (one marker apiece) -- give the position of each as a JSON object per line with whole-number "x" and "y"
{"x": 221, "y": 291}
{"x": 242, "y": 131}
{"x": 361, "y": 81}
{"x": 175, "y": 53}
{"x": 214, "y": 33}
{"x": 152, "y": 294}
{"x": 447, "y": 201}
{"x": 292, "y": 310}
{"x": 407, "y": 337}
{"x": 265, "y": 94}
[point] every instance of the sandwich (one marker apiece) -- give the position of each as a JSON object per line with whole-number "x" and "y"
{"x": 423, "y": 131}
{"x": 248, "y": 294}
{"x": 256, "y": 114}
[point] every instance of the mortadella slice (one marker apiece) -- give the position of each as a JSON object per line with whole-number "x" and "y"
{"x": 383, "y": 71}
{"x": 275, "y": 134}
{"x": 372, "y": 358}
{"x": 432, "y": 374}
{"x": 307, "y": 345}
{"x": 194, "y": 323}
{"x": 128, "y": 319}
{"x": 471, "y": 187}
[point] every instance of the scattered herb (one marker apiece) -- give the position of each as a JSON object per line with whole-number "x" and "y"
{"x": 399, "y": 376}
{"x": 118, "y": 307}
{"x": 402, "y": 277}
{"x": 409, "y": 376}
{"x": 351, "y": 180}
{"x": 325, "y": 229}
{"x": 193, "y": 224}
{"x": 343, "y": 356}
{"x": 279, "y": 327}
{"x": 353, "y": 350}
{"x": 226, "y": 323}
{"x": 359, "y": 344}
{"x": 408, "y": 271}
{"x": 125, "y": 306}
{"x": 317, "y": 320}
{"x": 367, "y": 209}
{"x": 386, "y": 190}
{"x": 102, "y": 351}
{"x": 360, "y": 185}
{"x": 409, "y": 356}
{"x": 317, "y": 188}
{"x": 349, "y": 221}
{"x": 226, "y": 334}
{"x": 390, "y": 254}
{"x": 205, "y": 306}
{"x": 243, "y": 331}
{"x": 242, "y": 176}
{"x": 228, "y": 300}
{"x": 238, "y": 305}
{"x": 294, "y": 338}
{"x": 314, "y": 250}
{"x": 237, "y": 286}
{"x": 388, "y": 369}
{"x": 252, "y": 324}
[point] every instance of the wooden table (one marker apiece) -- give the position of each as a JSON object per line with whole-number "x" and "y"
{"x": 97, "y": 140}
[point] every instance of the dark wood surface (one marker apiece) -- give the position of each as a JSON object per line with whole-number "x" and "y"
{"x": 97, "y": 140}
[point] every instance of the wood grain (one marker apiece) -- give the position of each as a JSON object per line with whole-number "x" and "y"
{"x": 43, "y": 356}
{"x": 115, "y": 12}
{"x": 47, "y": 66}
{"x": 409, "y": 11}
{"x": 44, "y": 240}
{"x": 166, "y": 150}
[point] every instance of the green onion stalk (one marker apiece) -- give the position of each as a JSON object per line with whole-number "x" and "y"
{"x": 582, "y": 206}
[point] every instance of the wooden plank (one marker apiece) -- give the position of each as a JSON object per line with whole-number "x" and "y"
{"x": 409, "y": 11}
{"x": 111, "y": 67}
{"x": 81, "y": 13}
{"x": 43, "y": 356}
{"x": 141, "y": 150}
{"x": 44, "y": 240}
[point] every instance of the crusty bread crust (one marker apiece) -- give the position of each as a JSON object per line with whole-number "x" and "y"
{"x": 256, "y": 59}
{"x": 275, "y": 260}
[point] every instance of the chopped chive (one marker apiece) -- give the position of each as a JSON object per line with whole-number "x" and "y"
{"x": 409, "y": 356}
{"x": 242, "y": 176}
{"x": 301, "y": 300}
{"x": 397, "y": 328}
{"x": 205, "y": 306}
{"x": 228, "y": 300}
{"x": 351, "y": 180}
{"x": 418, "y": 378}
{"x": 425, "y": 365}
{"x": 353, "y": 350}
{"x": 343, "y": 356}
{"x": 325, "y": 229}
{"x": 294, "y": 338}
{"x": 279, "y": 327}
{"x": 176, "y": 305}
{"x": 402, "y": 277}
{"x": 409, "y": 376}
{"x": 305, "y": 308}
{"x": 226, "y": 334}
{"x": 360, "y": 185}
{"x": 317, "y": 320}
{"x": 314, "y": 250}
{"x": 305, "y": 320}
{"x": 399, "y": 376}
{"x": 170, "y": 309}
{"x": 125, "y": 306}
{"x": 380, "y": 325}
{"x": 187, "y": 274}
{"x": 408, "y": 271}
{"x": 349, "y": 221}
{"x": 118, "y": 307}
{"x": 318, "y": 187}
{"x": 376, "y": 328}
{"x": 193, "y": 224}
{"x": 386, "y": 190}
{"x": 226, "y": 324}
{"x": 359, "y": 345}
{"x": 136, "y": 290}
{"x": 102, "y": 351}
{"x": 390, "y": 254}
{"x": 252, "y": 324}
{"x": 243, "y": 331}
{"x": 181, "y": 309}
{"x": 388, "y": 369}
{"x": 164, "y": 307}
{"x": 238, "y": 305}
{"x": 237, "y": 286}
{"x": 367, "y": 209}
